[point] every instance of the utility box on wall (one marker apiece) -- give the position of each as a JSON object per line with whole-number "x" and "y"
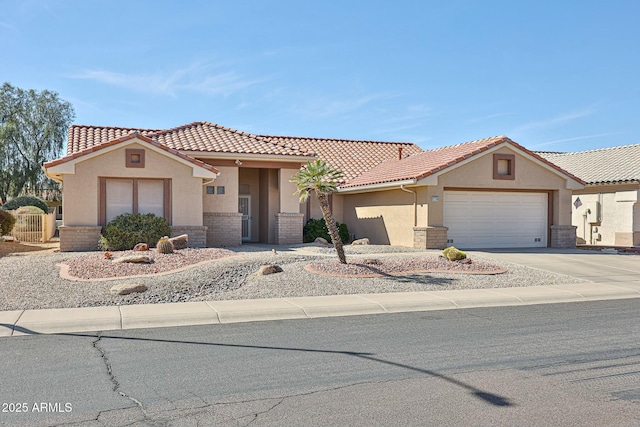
{"x": 592, "y": 211}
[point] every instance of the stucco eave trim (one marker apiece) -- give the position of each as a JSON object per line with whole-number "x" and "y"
{"x": 376, "y": 187}
{"x": 570, "y": 183}
{"x": 69, "y": 167}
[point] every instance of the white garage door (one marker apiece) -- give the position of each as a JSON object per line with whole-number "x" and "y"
{"x": 479, "y": 219}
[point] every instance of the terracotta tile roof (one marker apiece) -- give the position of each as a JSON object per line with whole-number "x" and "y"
{"x": 198, "y": 136}
{"x": 81, "y": 137}
{"x": 429, "y": 162}
{"x": 352, "y": 157}
{"x": 603, "y": 166}
{"x": 129, "y": 136}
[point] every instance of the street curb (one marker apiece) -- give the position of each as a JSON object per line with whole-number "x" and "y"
{"x": 65, "y": 320}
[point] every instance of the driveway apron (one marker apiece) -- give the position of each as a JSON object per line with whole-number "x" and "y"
{"x": 594, "y": 266}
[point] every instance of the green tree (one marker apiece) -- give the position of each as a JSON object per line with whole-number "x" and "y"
{"x": 33, "y": 128}
{"x": 322, "y": 179}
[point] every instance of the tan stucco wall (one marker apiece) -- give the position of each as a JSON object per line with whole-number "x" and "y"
{"x": 269, "y": 204}
{"x": 384, "y": 217}
{"x": 289, "y": 203}
{"x": 81, "y": 195}
{"x": 618, "y": 219}
{"x": 337, "y": 204}
{"x": 227, "y": 202}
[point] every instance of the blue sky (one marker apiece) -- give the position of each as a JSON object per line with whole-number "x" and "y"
{"x": 551, "y": 75}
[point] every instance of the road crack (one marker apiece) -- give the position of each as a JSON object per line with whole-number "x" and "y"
{"x": 114, "y": 380}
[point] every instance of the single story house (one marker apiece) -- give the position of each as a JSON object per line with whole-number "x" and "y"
{"x": 224, "y": 187}
{"x": 607, "y": 210}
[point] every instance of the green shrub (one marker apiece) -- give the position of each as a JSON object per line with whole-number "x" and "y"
{"x": 29, "y": 210}
{"x": 127, "y": 230}
{"x": 7, "y": 221}
{"x": 315, "y": 228}
{"x": 453, "y": 254}
{"x": 18, "y": 202}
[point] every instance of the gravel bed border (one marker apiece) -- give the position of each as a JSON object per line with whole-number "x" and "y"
{"x": 33, "y": 282}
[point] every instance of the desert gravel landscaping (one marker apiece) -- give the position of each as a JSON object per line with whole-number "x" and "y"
{"x": 32, "y": 281}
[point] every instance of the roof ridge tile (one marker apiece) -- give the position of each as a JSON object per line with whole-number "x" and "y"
{"x": 309, "y": 138}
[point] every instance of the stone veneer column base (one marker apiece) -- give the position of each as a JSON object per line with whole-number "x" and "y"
{"x": 289, "y": 228}
{"x": 223, "y": 228}
{"x": 563, "y": 236}
{"x": 430, "y": 237}
{"x": 197, "y": 234}
{"x": 74, "y": 238}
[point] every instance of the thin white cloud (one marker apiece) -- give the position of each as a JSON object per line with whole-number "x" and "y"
{"x": 489, "y": 117}
{"x": 195, "y": 78}
{"x": 411, "y": 117}
{"x": 557, "y": 120}
{"x": 577, "y": 138}
{"x": 411, "y": 113}
{"x": 324, "y": 107}
{"x": 6, "y": 25}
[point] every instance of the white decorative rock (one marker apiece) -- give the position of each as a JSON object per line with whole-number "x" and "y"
{"x": 140, "y": 259}
{"x": 180, "y": 242}
{"x": 321, "y": 240}
{"x": 363, "y": 241}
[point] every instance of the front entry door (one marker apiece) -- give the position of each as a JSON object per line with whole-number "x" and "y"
{"x": 244, "y": 207}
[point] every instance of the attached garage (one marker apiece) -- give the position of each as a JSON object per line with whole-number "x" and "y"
{"x": 489, "y": 193}
{"x": 486, "y": 219}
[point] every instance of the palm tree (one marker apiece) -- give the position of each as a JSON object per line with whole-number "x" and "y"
{"x": 323, "y": 180}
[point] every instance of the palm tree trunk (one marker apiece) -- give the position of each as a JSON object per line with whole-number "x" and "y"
{"x": 331, "y": 227}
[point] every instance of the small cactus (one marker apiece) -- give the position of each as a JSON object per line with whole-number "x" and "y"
{"x": 164, "y": 246}
{"x": 453, "y": 254}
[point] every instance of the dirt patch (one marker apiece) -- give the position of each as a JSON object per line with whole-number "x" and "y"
{"x": 402, "y": 265}
{"x": 7, "y": 248}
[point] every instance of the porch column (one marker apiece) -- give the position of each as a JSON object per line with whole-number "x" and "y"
{"x": 430, "y": 237}
{"x": 563, "y": 236}
{"x": 289, "y": 228}
{"x": 223, "y": 228}
{"x": 75, "y": 238}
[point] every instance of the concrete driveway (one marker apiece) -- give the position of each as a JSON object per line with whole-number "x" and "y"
{"x": 594, "y": 266}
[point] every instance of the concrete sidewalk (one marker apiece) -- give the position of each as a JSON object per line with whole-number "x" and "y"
{"x": 27, "y": 322}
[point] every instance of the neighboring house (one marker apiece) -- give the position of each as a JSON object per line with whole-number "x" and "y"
{"x": 224, "y": 187}
{"x": 607, "y": 211}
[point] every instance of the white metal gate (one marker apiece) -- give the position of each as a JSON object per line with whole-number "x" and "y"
{"x": 34, "y": 228}
{"x": 244, "y": 207}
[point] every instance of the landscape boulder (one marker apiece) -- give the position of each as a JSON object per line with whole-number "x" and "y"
{"x": 364, "y": 241}
{"x": 140, "y": 259}
{"x": 269, "y": 269}
{"x": 141, "y": 247}
{"x": 180, "y": 242}
{"x": 127, "y": 288}
{"x": 321, "y": 240}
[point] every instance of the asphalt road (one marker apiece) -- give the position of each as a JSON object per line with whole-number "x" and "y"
{"x": 556, "y": 364}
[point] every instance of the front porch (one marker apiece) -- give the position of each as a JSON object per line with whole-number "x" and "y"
{"x": 252, "y": 204}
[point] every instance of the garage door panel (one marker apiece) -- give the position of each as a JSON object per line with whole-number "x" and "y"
{"x": 496, "y": 219}
{"x": 481, "y": 198}
{"x": 454, "y": 197}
